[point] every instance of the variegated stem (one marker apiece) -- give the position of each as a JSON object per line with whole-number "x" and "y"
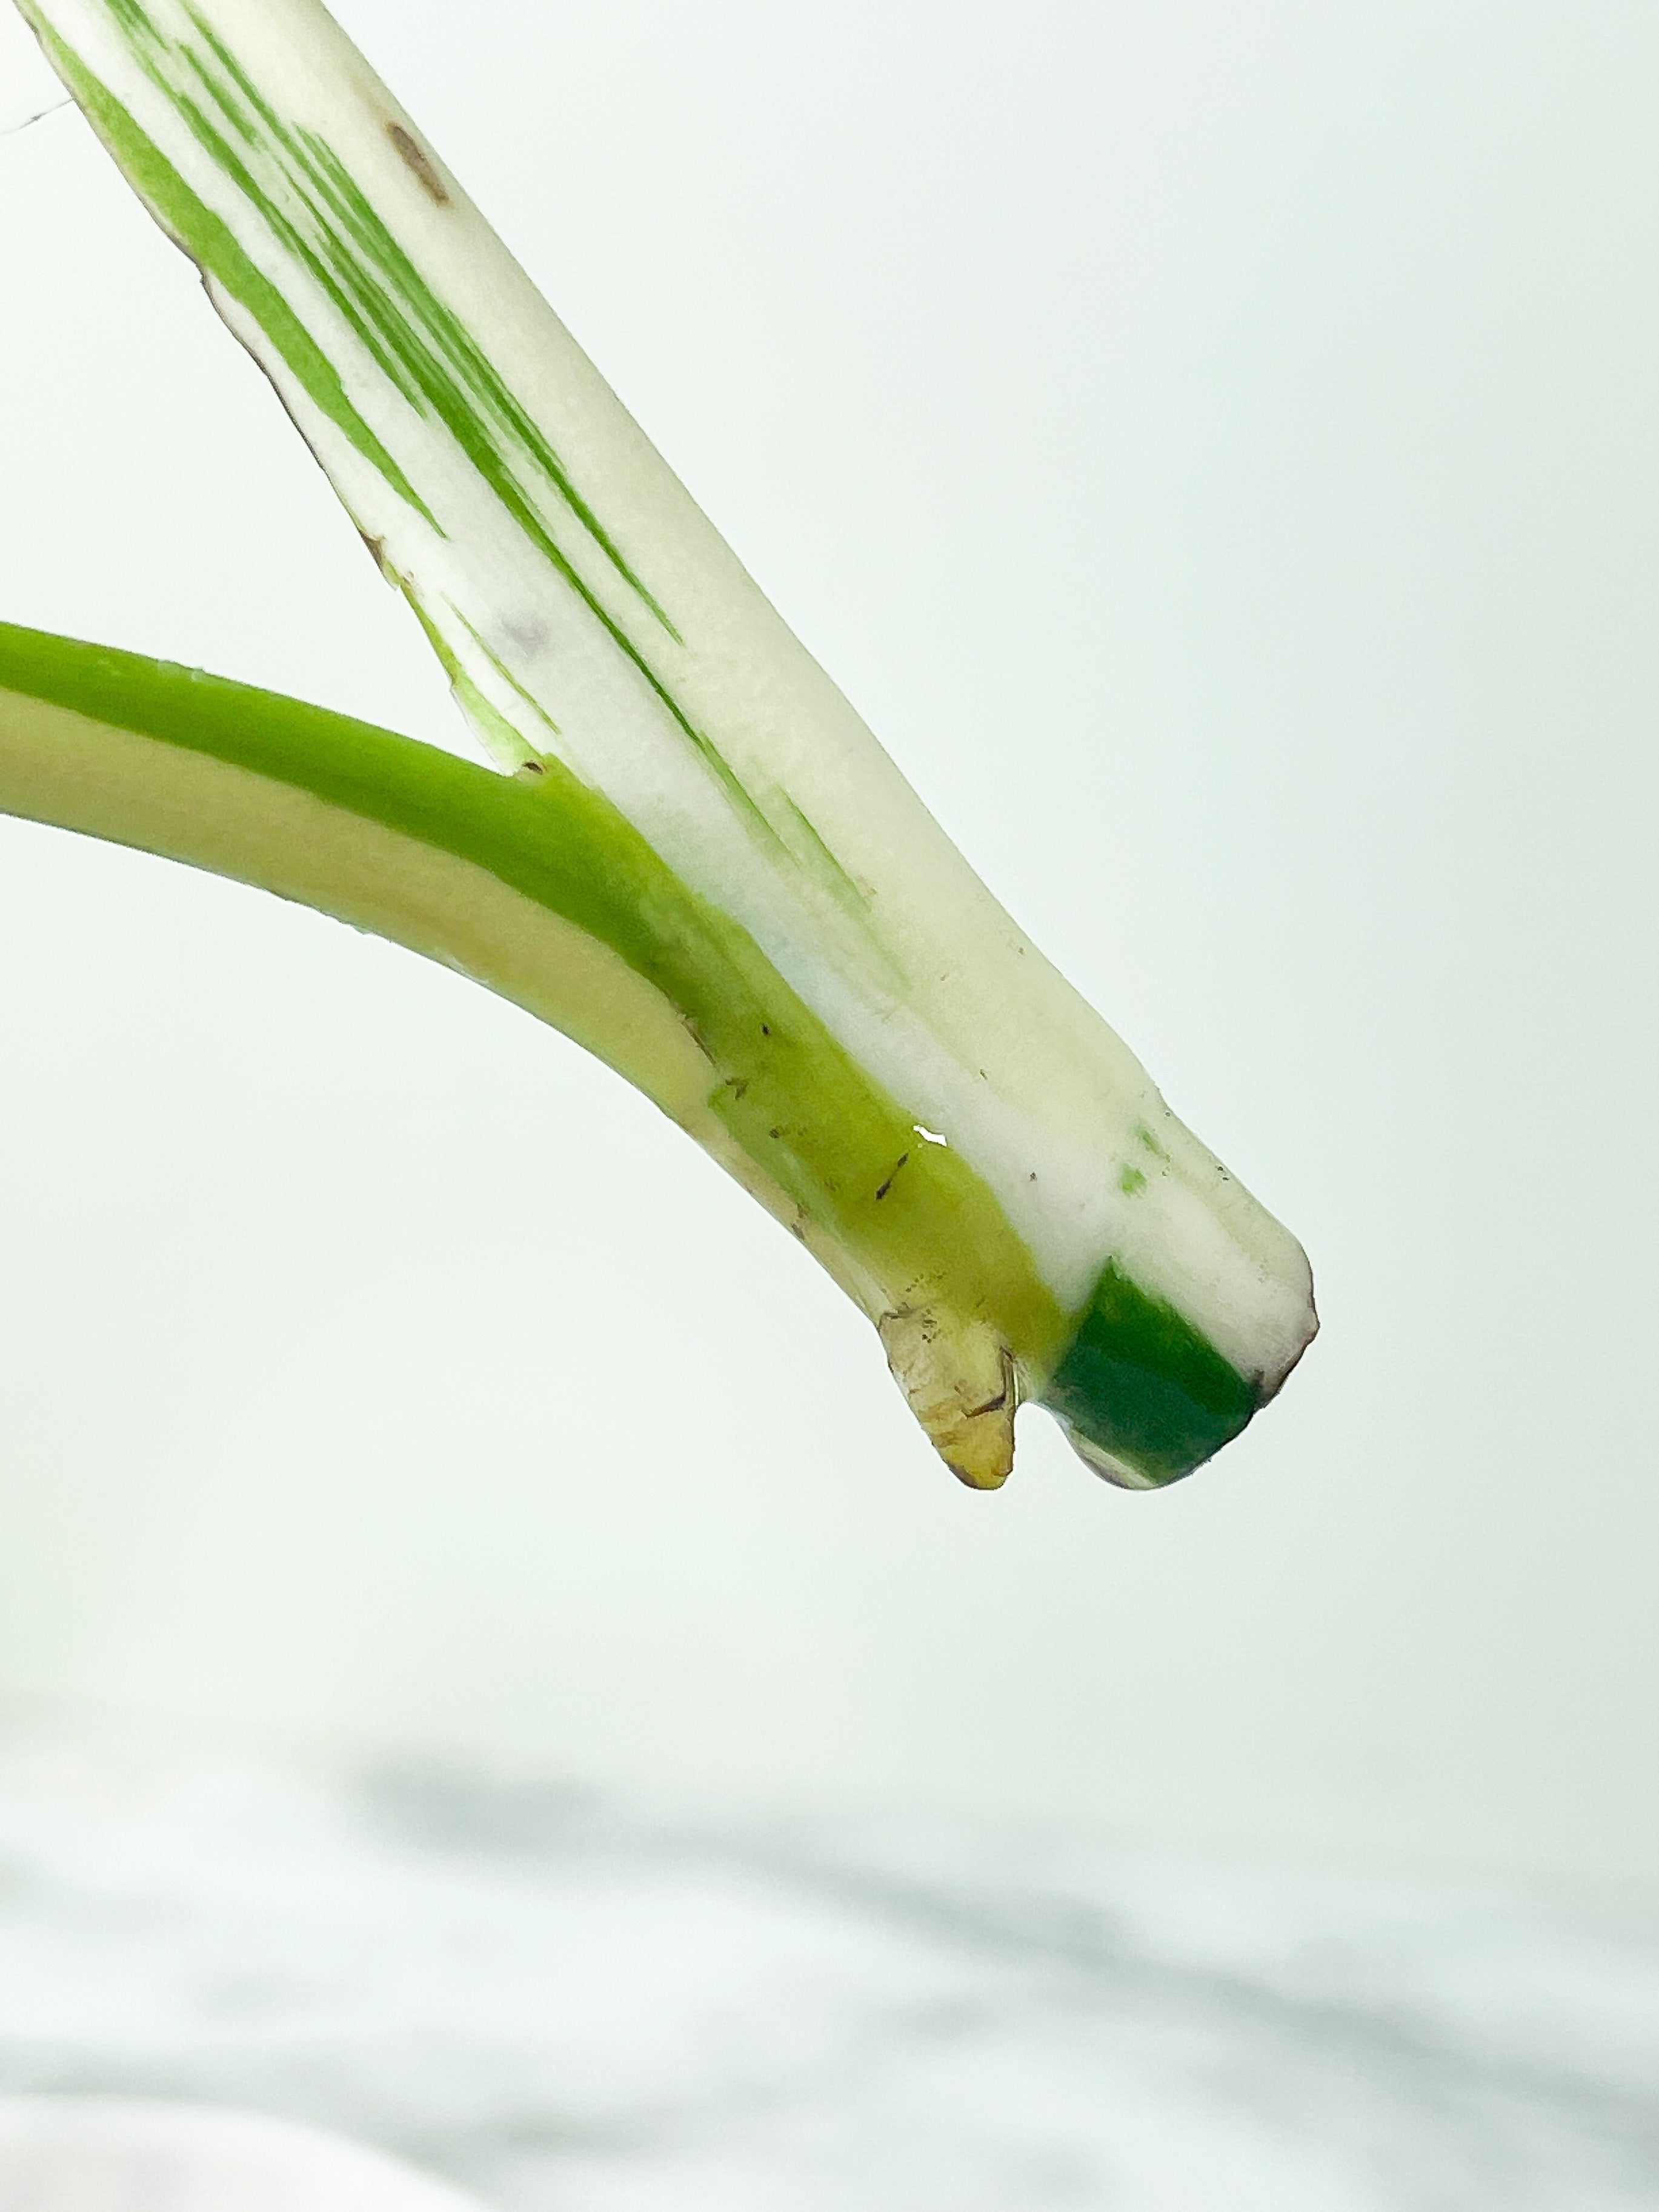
{"x": 604, "y": 642}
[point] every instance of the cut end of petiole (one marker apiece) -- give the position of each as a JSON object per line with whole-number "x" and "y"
{"x": 1143, "y": 1396}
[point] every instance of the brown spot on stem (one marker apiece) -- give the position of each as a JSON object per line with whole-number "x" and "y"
{"x": 419, "y": 161}
{"x": 887, "y": 1185}
{"x": 991, "y": 1405}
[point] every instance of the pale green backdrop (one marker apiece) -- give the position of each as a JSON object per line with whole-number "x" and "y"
{"x": 1217, "y": 448}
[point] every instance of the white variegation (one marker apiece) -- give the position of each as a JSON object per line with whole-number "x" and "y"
{"x": 619, "y": 632}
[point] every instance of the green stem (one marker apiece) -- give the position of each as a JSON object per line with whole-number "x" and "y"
{"x": 537, "y": 887}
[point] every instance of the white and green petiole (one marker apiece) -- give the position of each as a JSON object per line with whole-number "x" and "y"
{"x": 692, "y": 854}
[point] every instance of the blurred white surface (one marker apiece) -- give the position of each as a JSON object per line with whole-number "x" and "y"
{"x": 1214, "y": 445}
{"x": 569, "y": 2003}
{"x": 102, "y": 2154}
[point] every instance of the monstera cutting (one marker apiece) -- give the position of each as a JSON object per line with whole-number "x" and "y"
{"x": 688, "y": 853}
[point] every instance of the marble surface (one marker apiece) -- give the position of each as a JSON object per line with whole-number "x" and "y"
{"x": 152, "y": 2154}
{"x": 569, "y": 2004}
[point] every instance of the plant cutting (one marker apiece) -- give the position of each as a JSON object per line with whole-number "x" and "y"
{"x": 686, "y": 850}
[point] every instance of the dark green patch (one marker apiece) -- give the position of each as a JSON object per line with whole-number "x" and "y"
{"x": 1132, "y": 1182}
{"x": 1140, "y": 1383}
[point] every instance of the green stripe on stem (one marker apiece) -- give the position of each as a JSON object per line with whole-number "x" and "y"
{"x": 210, "y": 241}
{"x": 931, "y": 1242}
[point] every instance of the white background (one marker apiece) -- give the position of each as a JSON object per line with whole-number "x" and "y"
{"x": 1215, "y": 445}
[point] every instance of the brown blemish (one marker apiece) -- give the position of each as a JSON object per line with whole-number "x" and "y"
{"x": 991, "y": 1405}
{"x": 887, "y": 1185}
{"x": 419, "y": 161}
